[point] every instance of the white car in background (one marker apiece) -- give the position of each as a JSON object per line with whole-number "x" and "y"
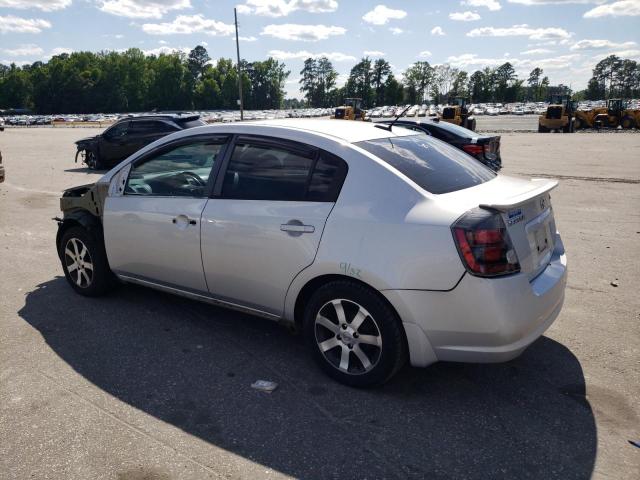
{"x": 380, "y": 243}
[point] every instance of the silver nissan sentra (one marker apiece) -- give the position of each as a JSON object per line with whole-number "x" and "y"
{"x": 381, "y": 244}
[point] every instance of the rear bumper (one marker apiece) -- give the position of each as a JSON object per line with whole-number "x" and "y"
{"x": 482, "y": 319}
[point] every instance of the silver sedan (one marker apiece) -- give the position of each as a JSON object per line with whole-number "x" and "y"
{"x": 381, "y": 244}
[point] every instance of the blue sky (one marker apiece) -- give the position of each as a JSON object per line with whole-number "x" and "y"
{"x": 564, "y": 37}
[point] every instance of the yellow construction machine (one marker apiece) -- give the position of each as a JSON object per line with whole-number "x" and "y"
{"x": 350, "y": 110}
{"x": 614, "y": 114}
{"x": 456, "y": 112}
{"x": 559, "y": 116}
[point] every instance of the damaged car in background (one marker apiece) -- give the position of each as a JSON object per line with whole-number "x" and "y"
{"x": 129, "y": 135}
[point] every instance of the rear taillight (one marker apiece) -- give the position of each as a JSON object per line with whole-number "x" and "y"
{"x": 473, "y": 149}
{"x": 484, "y": 244}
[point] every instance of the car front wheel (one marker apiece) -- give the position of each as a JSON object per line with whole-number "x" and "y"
{"x": 84, "y": 262}
{"x": 354, "y": 335}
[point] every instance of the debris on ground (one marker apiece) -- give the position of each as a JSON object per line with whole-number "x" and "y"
{"x": 614, "y": 284}
{"x": 635, "y": 444}
{"x": 264, "y": 385}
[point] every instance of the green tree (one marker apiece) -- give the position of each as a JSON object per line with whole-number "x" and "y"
{"x": 379, "y": 77}
{"x": 417, "y": 79}
{"x": 359, "y": 82}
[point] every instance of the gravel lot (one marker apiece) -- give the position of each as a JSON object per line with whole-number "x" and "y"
{"x": 142, "y": 385}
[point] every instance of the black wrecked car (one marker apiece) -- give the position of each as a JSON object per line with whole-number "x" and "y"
{"x": 484, "y": 147}
{"x": 129, "y": 135}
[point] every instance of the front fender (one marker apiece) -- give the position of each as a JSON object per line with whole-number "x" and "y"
{"x": 81, "y": 218}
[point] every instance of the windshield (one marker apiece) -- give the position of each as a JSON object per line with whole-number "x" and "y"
{"x": 432, "y": 164}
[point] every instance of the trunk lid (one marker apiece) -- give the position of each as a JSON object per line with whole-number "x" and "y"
{"x": 525, "y": 207}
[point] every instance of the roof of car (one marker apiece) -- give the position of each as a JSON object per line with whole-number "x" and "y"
{"x": 162, "y": 116}
{"x": 347, "y": 130}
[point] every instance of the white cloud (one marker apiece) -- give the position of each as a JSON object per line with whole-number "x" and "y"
{"x": 464, "y": 16}
{"x": 303, "y": 55}
{"x": 553, "y": 2}
{"x": 248, "y": 39}
{"x": 381, "y": 15}
{"x": 467, "y": 60}
{"x": 189, "y": 24}
{"x": 12, "y": 24}
{"x": 536, "y": 51}
{"x": 424, "y": 54}
{"x": 164, "y": 50}
{"x": 492, "y": 5}
{"x": 304, "y": 33}
{"x": 60, "y": 51}
{"x": 437, "y": 31}
{"x": 396, "y": 30}
{"x": 143, "y": 8}
{"x": 282, "y": 8}
{"x": 373, "y": 53}
{"x": 44, "y": 5}
{"x": 630, "y": 54}
{"x": 27, "y": 50}
{"x": 547, "y": 33}
{"x": 630, "y": 8}
{"x": 600, "y": 45}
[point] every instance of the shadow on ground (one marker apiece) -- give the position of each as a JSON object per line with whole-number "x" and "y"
{"x": 191, "y": 365}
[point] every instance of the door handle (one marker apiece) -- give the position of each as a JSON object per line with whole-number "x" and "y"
{"x": 184, "y": 218}
{"x": 297, "y": 227}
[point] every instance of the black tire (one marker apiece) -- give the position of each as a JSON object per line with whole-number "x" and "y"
{"x": 92, "y": 159}
{"x": 379, "y": 322}
{"x": 542, "y": 129}
{"x": 628, "y": 122}
{"x": 90, "y": 282}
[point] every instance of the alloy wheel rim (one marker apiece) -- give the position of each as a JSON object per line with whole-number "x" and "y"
{"x": 78, "y": 262}
{"x": 348, "y": 336}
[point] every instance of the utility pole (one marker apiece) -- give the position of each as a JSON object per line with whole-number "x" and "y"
{"x": 235, "y": 15}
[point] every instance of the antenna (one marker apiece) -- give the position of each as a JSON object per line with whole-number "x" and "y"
{"x": 388, "y": 127}
{"x": 235, "y": 16}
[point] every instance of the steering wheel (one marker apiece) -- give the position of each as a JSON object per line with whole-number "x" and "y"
{"x": 193, "y": 179}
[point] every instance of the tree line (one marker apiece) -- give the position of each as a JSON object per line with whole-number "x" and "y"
{"x": 130, "y": 81}
{"x": 613, "y": 77}
{"x": 374, "y": 82}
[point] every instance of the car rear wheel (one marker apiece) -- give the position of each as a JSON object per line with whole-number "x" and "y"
{"x": 85, "y": 264}
{"x": 354, "y": 335}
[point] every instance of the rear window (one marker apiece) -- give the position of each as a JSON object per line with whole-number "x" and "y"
{"x": 454, "y": 129}
{"x": 192, "y": 123}
{"x": 433, "y": 165}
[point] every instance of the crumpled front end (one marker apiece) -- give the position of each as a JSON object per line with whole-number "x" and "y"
{"x": 89, "y": 197}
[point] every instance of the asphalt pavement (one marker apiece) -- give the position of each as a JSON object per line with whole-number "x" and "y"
{"x": 143, "y": 385}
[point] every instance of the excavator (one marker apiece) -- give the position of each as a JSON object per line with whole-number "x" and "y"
{"x": 456, "y": 112}
{"x": 350, "y": 110}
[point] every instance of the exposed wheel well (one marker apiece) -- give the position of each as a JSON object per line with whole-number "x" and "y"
{"x": 79, "y": 218}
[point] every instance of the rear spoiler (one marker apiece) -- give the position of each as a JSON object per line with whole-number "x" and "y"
{"x": 540, "y": 186}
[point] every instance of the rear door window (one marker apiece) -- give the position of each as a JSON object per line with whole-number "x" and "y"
{"x": 433, "y": 165}
{"x": 271, "y": 172}
{"x": 327, "y": 178}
